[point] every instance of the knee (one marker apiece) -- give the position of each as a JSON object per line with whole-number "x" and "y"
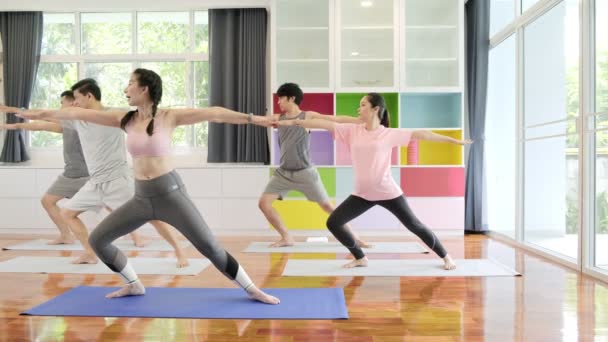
{"x": 47, "y": 202}
{"x": 333, "y": 222}
{"x": 97, "y": 239}
{"x": 265, "y": 204}
{"x": 327, "y": 206}
{"x": 95, "y": 242}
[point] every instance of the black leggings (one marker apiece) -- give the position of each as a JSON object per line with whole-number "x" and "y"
{"x": 354, "y": 206}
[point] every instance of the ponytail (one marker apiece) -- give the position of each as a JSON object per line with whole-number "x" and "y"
{"x": 150, "y": 128}
{"x": 125, "y": 119}
{"x": 385, "y": 119}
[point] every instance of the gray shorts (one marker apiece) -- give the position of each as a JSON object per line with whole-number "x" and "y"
{"x": 66, "y": 187}
{"x": 111, "y": 194}
{"x": 306, "y": 181}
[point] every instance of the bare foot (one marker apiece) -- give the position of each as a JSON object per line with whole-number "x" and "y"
{"x": 182, "y": 261}
{"x": 261, "y": 296}
{"x": 135, "y": 288}
{"x": 449, "y": 264}
{"x": 357, "y": 263}
{"x": 62, "y": 240}
{"x": 283, "y": 243}
{"x": 364, "y": 244}
{"x": 86, "y": 258}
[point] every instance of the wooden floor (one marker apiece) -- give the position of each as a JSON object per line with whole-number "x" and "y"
{"x": 548, "y": 303}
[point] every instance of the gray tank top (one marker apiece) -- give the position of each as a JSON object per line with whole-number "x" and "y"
{"x": 75, "y": 166}
{"x": 295, "y": 145}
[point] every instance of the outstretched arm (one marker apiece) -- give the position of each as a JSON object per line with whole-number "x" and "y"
{"x": 34, "y": 126}
{"x": 432, "y": 136}
{"x": 189, "y": 116}
{"x": 101, "y": 117}
{"x": 8, "y": 109}
{"x": 336, "y": 118}
{"x": 311, "y": 123}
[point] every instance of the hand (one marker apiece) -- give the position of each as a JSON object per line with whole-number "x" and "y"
{"x": 274, "y": 121}
{"x": 8, "y": 109}
{"x": 30, "y": 114}
{"x": 261, "y": 121}
{"x": 8, "y": 126}
{"x": 466, "y": 142}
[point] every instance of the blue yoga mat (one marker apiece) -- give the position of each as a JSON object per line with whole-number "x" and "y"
{"x": 163, "y": 302}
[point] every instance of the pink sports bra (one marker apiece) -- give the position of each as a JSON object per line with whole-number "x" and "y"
{"x": 140, "y": 144}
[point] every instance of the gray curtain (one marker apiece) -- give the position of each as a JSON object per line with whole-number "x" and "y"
{"x": 477, "y": 48}
{"x": 237, "y": 75}
{"x": 21, "y": 34}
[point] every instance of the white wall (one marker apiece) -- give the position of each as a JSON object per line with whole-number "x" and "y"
{"x": 227, "y": 197}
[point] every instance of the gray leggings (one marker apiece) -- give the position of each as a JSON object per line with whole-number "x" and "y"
{"x": 354, "y": 206}
{"x": 165, "y": 199}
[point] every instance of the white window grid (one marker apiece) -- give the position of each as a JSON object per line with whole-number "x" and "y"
{"x": 189, "y": 58}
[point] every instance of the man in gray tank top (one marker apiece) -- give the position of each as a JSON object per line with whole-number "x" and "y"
{"x": 296, "y": 171}
{"x": 75, "y": 173}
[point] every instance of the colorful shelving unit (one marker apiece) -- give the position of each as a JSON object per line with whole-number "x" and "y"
{"x": 416, "y": 64}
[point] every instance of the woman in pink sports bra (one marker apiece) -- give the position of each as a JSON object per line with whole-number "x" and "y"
{"x": 159, "y": 191}
{"x": 370, "y": 145}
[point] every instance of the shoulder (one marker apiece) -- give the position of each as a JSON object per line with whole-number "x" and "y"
{"x": 310, "y": 114}
{"x": 349, "y": 126}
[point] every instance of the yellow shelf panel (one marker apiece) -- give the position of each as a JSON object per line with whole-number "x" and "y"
{"x": 300, "y": 214}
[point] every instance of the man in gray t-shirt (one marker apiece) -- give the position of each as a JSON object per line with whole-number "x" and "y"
{"x": 296, "y": 171}
{"x": 110, "y": 184}
{"x": 75, "y": 173}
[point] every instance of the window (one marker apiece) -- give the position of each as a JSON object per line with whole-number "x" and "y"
{"x": 59, "y": 34}
{"x": 501, "y": 142}
{"x": 173, "y": 27}
{"x": 112, "y": 79}
{"x": 52, "y": 79}
{"x": 551, "y": 148}
{"x": 106, "y": 33}
{"x": 111, "y": 46}
{"x": 601, "y": 135}
{"x": 502, "y": 12}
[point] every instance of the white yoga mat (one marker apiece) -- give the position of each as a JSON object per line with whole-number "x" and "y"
{"x": 122, "y": 244}
{"x": 336, "y": 247}
{"x": 45, "y": 264}
{"x": 399, "y": 268}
